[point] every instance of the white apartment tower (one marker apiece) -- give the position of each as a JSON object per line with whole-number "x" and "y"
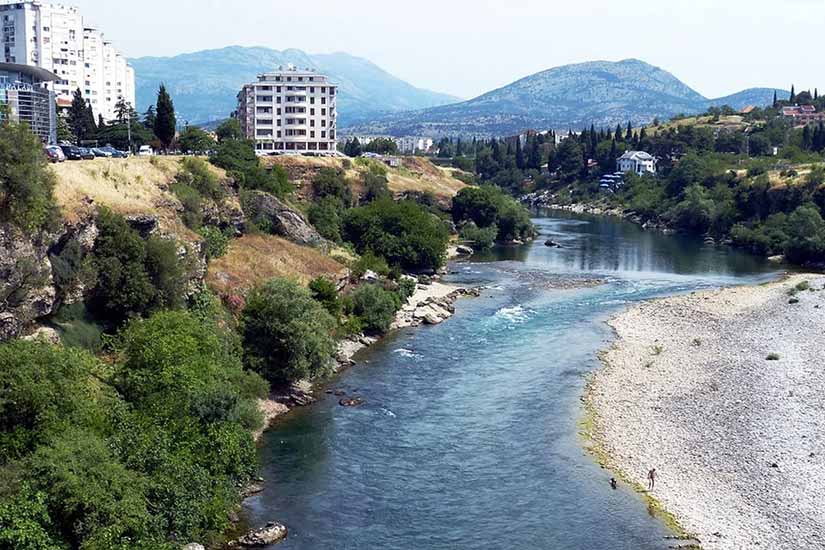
{"x": 54, "y": 37}
{"x": 290, "y": 110}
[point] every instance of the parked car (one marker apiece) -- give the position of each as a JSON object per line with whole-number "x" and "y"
{"x": 145, "y": 151}
{"x": 72, "y": 152}
{"x": 114, "y": 153}
{"x": 86, "y": 154}
{"x": 54, "y": 153}
{"x": 101, "y": 152}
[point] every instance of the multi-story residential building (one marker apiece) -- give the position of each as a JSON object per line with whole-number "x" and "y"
{"x": 639, "y": 162}
{"x": 25, "y": 91}
{"x": 289, "y": 110}
{"x": 54, "y": 37}
{"x": 800, "y": 115}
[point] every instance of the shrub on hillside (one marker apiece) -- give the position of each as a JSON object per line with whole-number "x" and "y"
{"x": 325, "y": 293}
{"x": 26, "y": 183}
{"x": 332, "y": 183}
{"x": 403, "y": 233}
{"x": 134, "y": 277}
{"x": 325, "y": 215}
{"x": 287, "y": 335}
{"x": 239, "y": 160}
{"x": 375, "y": 307}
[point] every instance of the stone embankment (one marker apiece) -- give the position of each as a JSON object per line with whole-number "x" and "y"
{"x": 723, "y": 393}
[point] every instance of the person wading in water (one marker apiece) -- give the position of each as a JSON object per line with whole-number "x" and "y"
{"x": 651, "y": 479}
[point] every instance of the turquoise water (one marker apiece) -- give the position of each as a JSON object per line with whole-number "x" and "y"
{"x": 468, "y": 438}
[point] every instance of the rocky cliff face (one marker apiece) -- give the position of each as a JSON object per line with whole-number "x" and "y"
{"x": 273, "y": 215}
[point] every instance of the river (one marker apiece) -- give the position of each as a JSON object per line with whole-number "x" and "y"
{"x": 469, "y": 435}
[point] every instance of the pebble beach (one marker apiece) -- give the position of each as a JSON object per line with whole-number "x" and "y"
{"x": 723, "y": 392}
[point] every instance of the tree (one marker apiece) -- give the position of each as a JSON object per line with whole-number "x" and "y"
{"x": 806, "y": 235}
{"x": 775, "y": 101}
{"x": 80, "y": 124}
{"x": 520, "y": 162}
{"x": 26, "y": 182}
{"x": 404, "y": 233}
{"x": 287, "y": 336}
{"x": 352, "y": 148}
{"x": 150, "y": 118}
{"x": 229, "y": 129}
{"x": 64, "y": 132}
{"x": 196, "y": 141}
{"x": 123, "y": 111}
{"x": 90, "y": 133}
{"x": 165, "y": 121}
{"x": 793, "y": 94}
{"x": 375, "y": 307}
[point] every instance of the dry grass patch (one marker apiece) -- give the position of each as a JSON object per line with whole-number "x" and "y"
{"x": 414, "y": 174}
{"x": 254, "y": 259}
{"x": 133, "y": 186}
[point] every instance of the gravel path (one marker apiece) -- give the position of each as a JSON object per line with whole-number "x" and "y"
{"x": 737, "y": 440}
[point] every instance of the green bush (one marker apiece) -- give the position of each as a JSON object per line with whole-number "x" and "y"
{"x": 403, "y": 233}
{"x": 239, "y": 160}
{"x": 192, "y": 203}
{"x": 287, "y": 335}
{"x": 481, "y": 239}
{"x": 45, "y": 389}
{"x": 196, "y": 174}
{"x": 370, "y": 262}
{"x": 134, "y": 277}
{"x": 488, "y": 206}
{"x": 325, "y": 292}
{"x": 325, "y": 215}
{"x": 216, "y": 242}
{"x": 332, "y": 183}
{"x": 375, "y": 307}
{"x": 26, "y": 183}
{"x": 375, "y": 187}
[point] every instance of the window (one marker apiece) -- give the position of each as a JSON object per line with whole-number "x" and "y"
{"x": 278, "y": 88}
{"x": 279, "y": 110}
{"x": 312, "y": 101}
{"x": 323, "y": 112}
{"x": 279, "y": 133}
{"x": 312, "y": 123}
{"x": 312, "y": 112}
{"x": 323, "y": 101}
{"x": 323, "y": 122}
{"x": 323, "y": 133}
{"x": 312, "y": 89}
{"x": 323, "y": 89}
{"x": 312, "y": 133}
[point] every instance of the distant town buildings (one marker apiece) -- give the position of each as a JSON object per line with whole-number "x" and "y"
{"x": 638, "y": 162}
{"x": 801, "y": 115}
{"x": 55, "y": 37}
{"x": 407, "y": 145}
{"x": 25, "y": 91}
{"x": 290, "y": 110}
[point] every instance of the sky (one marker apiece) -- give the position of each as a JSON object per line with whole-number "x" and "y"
{"x": 468, "y": 47}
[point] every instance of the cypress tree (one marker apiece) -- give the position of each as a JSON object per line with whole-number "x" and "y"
{"x": 165, "y": 121}
{"x": 775, "y": 102}
{"x": 534, "y": 156}
{"x": 793, "y": 94}
{"x": 519, "y": 154}
{"x": 77, "y": 116}
{"x": 89, "y": 126}
{"x": 807, "y": 142}
{"x": 629, "y": 135}
{"x": 618, "y": 133}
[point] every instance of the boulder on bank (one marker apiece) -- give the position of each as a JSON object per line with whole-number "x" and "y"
{"x": 351, "y": 402}
{"x": 272, "y": 533}
{"x": 551, "y": 243}
{"x": 266, "y": 210}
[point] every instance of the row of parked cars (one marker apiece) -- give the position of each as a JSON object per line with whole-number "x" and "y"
{"x": 60, "y": 153}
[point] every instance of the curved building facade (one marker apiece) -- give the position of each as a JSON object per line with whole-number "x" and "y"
{"x": 24, "y": 91}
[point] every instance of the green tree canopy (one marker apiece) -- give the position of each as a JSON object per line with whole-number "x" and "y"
{"x": 165, "y": 120}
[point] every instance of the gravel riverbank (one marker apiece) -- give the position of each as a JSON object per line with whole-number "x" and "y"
{"x": 723, "y": 392}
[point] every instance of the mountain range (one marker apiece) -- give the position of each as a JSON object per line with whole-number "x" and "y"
{"x": 572, "y": 96}
{"x": 205, "y": 84}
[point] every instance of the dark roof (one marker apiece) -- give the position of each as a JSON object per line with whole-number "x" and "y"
{"x": 36, "y": 72}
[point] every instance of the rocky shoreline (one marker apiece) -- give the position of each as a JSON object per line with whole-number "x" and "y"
{"x": 723, "y": 392}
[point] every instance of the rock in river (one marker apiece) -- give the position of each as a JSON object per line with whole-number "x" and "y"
{"x": 272, "y": 533}
{"x": 351, "y": 402}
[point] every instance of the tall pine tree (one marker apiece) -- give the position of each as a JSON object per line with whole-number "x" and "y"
{"x": 793, "y": 94}
{"x": 77, "y": 116}
{"x": 165, "y": 121}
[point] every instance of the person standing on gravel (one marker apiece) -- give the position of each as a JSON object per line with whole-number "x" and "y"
{"x": 651, "y": 479}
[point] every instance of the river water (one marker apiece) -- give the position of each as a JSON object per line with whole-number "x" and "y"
{"x": 469, "y": 436}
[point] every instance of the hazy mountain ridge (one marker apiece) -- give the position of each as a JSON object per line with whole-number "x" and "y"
{"x": 572, "y": 96}
{"x": 205, "y": 84}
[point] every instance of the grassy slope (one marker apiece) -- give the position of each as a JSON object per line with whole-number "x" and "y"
{"x": 142, "y": 186}
{"x": 415, "y": 174}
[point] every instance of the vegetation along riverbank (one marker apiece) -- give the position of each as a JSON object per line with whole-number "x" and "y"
{"x": 721, "y": 392}
{"x": 152, "y": 307}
